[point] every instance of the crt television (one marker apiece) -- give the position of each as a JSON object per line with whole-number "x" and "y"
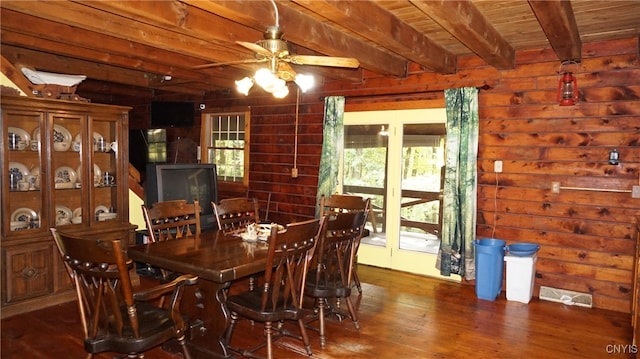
{"x": 167, "y": 182}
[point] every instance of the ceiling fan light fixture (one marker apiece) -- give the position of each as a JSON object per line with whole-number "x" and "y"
{"x": 281, "y": 92}
{"x": 304, "y": 81}
{"x": 264, "y": 78}
{"x": 275, "y": 85}
{"x": 243, "y": 86}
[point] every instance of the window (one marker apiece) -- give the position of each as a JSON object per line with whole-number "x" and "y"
{"x": 225, "y": 141}
{"x": 156, "y": 145}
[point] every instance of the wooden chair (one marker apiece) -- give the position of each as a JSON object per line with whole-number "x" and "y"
{"x": 114, "y": 317}
{"x": 332, "y": 268}
{"x": 346, "y": 203}
{"x": 234, "y": 214}
{"x": 169, "y": 220}
{"x": 280, "y": 296}
{"x": 172, "y": 219}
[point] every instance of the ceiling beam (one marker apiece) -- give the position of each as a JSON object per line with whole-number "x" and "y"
{"x": 303, "y": 30}
{"x": 16, "y": 76}
{"x": 83, "y": 16}
{"x": 67, "y": 65}
{"x": 387, "y": 30}
{"x": 559, "y": 24}
{"x": 195, "y": 22}
{"x": 50, "y": 36}
{"x": 51, "y": 46}
{"x": 465, "y": 22}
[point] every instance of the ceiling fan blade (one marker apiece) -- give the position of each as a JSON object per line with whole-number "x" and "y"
{"x": 285, "y": 71}
{"x": 324, "y": 61}
{"x": 239, "y": 62}
{"x": 255, "y": 48}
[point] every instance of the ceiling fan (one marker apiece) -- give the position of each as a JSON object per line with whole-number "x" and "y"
{"x": 272, "y": 49}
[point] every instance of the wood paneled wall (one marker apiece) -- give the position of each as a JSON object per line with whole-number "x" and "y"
{"x": 585, "y": 236}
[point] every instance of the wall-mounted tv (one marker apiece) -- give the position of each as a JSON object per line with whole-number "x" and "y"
{"x": 166, "y": 182}
{"x": 172, "y": 114}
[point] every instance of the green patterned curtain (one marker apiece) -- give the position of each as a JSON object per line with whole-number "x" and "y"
{"x": 460, "y": 184}
{"x": 332, "y": 147}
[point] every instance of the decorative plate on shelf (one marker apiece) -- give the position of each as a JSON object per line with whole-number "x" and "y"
{"x": 19, "y": 171}
{"x": 61, "y": 138}
{"x": 63, "y": 215}
{"x": 24, "y": 136}
{"x": 97, "y": 174}
{"x": 77, "y": 212}
{"x": 65, "y": 174}
{"x": 96, "y": 136}
{"x": 101, "y": 209}
{"x": 23, "y": 215}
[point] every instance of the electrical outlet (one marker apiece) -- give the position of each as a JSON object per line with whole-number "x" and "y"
{"x": 635, "y": 192}
{"x": 555, "y": 187}
{"x": 294, "y": 173}
{"x": 497, "y": 166}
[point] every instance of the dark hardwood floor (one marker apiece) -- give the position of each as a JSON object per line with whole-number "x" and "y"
{"x": 401, "y": 316}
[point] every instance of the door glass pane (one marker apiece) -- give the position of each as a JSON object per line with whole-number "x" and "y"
{"x": 24, "y": 200}
{"x": 66, "y": 162}
{"x": 422, "y": 163}
{"x": 365, "y": 173}
{"x": 105, "y": 176}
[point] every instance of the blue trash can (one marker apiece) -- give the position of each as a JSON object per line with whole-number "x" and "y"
{"x": 489, "y": 256}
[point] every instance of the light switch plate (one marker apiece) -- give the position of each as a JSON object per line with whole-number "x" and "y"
{"x": 497, "y": 166}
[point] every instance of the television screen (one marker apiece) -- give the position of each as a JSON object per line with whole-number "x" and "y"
{"x": 166, "y": 182}
{"x": 172, "y": 114}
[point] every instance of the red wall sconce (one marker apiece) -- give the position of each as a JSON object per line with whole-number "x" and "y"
{"x": 567, "y": 87}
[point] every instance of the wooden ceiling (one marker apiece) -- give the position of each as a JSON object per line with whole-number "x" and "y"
{"x": 139, "y": 43}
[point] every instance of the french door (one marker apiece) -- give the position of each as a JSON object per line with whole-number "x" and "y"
{"x": 396, "y": 159}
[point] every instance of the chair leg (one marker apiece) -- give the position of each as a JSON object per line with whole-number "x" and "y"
{"x": 323, "y": 339}
{"x": 268, "y": 331}
{"x": 185, "y": 350}
{"x": 305, "y": 337}
{"x": 356, "y": 279}
{"x": 352, "y": 312}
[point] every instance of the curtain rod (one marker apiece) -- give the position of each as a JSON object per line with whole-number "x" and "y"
{"x": 483, "y": 87}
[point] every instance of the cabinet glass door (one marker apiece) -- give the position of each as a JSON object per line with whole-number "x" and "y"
{"x": 105, "y": 176}
{"x": 65, "y": 138}
{"x": 23, "y": 158}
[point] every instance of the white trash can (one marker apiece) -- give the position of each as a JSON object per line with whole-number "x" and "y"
{"x": 521, "y": 273}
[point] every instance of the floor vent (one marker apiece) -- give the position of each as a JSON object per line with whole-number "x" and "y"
{"x": 567, "y": 297}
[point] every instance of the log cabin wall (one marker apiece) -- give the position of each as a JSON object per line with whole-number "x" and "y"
{"x": 585, "y": 235}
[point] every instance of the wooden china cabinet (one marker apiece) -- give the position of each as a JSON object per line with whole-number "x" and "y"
{"x": 64, "y": 165}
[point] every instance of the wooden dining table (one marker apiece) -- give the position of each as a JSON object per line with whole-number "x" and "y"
{"x": 218, "y": 260}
